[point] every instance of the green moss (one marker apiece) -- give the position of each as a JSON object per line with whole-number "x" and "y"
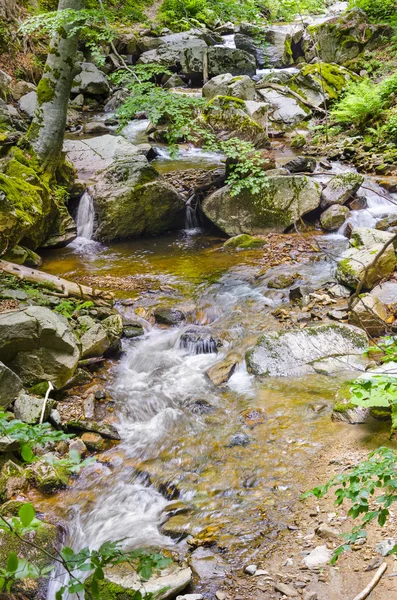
{"x": 112, "y": 591}
{"x": 288, "y": 49}
{"x": 331, "y": 77}
{"x": 244, "y": 241}
{"x": 45, "y": 90}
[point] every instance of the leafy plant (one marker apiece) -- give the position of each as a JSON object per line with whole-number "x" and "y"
{"x": 247, "y": 172}
{"x": 370, "y": 487}
{"x": 360, "y": 105}
{"x": 76, "y": 564}
{"x": 377, "y": 10}
{"x": 67, "y": 308}
{"x": 388, "y": 347}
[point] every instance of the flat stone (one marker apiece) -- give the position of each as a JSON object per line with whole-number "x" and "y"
{"x": 318, "y": 557}
{"x": 98, "y": 153}
{"x": 28, "y": 408}
{"x": 285, "y": 589}
{"x": 250, "y": 569}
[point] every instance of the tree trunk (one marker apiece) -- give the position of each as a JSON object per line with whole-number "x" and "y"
{"x": 48, "y": 126}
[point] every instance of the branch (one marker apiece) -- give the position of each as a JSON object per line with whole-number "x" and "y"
{"x": 374, "y": 581}
{"x": 283, "y": 90}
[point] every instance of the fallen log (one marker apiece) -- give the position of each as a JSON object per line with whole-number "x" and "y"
{"x": 64, "y": 287}
{"x": 283, "y": 90}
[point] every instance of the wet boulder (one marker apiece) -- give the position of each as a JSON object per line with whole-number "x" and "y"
{"x": 38, "y": 345}
{"x": 230, "y": 60}
{"x": 341, "y": 188}
{"x": 301, "y": 164}
{"x": 277, "y": 206}
{"x": 227, "y": 85}
{"x": 367, "y": 236}
{"x": 10, "y": 386}
{"x": 90, "y": 81}
{"x": 326, "y": 349}
{"x": 334, "y": 217}
{"x": 343, "y": 38}
{"x": 168, "y": 316}
{"x": 282, "y": 45}
{"x": 200, "y": 340}
{"x": 221, "y": 371}
{"x": 131, "y": 199}
{"x": 247, "y": 43}
{"x": 358, "y": 264}
{"x": 123, "y": 580}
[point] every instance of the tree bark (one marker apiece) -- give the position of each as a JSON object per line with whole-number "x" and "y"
{"x": 48, "y": 126}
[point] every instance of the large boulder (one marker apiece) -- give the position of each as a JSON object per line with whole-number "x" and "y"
{"x": 28, "y": 103}
{"x": 10, "y": 386}
{"x": 131, "y": 199}
{"x": 186, "y": 56}
{"x": 281, "y": 43}
{"x": 282, "y": 202}
{"x": 247, "y": 43}
{"x": 341, "y": 188}
{"x": 321, "y": 82}
{"x": 284, "y": 110}
{"x": 90, "y": 81}
{"x": 367, "y": 236}
{"x": 222, "y": 59}
{"x": 334, "y": 217}
{"x": 369, "y": 313}
{"x": 343, "y": 38}
{"x": 98, "y": 153}
{"x": 326, "y": 349}
{"x": 38, "y": 345}
{"x": 357, "y": 264}
{"x": 227, "y": 85}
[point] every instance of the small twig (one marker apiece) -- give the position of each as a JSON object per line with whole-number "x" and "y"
{"x": 374, "y": 582}
{"x": 50, "y": 387}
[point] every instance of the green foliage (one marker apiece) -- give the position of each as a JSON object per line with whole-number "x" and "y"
{"x": 375, "y": 391}
{"x": 377, "y": 10}
{"x": 67, "y": 308}
{"x": 360, "y": 105}
{"x": 287, "y": 10}
{"x": 387, "y": 346}
{"x": 247, "y": 172}
{"x": 182, "y": 14}
{"x": 29, "y": 435}
{"x": 370, "y": 487}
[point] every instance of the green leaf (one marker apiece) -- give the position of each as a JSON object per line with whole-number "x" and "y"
{"x": 26, "y": 513}
{"x": 12, "y": 562}
{"x": 27, "y": 453}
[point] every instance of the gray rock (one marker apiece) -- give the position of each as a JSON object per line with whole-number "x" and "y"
{"x": 28, "y": 104}
{"x": 280, "y": 40}
{"x": 28, "y": 408}
{"x": 104, "y": 429}
{"x": 190, "y": 597}
{"x": 90, "y": 81}
{"x": 341, "y": 188}
{"x": 94, "y": 340}
{"x": 247, "y": 43}
{"x": 227, "y": 85}
{"x": 386, "y": 292}
{"x": 7, "y": 444}
{"x": 285, "y": 111}
{"x": 174, "y": 82}
{"x": 38, "y": 345}
{"x": 301, "y": 164}
{"x": 21, "y": 88}
{"x": 10, "y": 386}
{"x": 207, "y": 565}
{"x": 113, "y": 326}
{"x": 286, "y": 590}
{"x": 239, "y": 439}
{"x": 132, "y": 331}
{"x": 98, "y": 153}
{"x": 327, "y": 532}
{"x": 334, "y": 217}
{"x": 169, "y": 316}
{"x": 250, "y": 569}
{"x": 323, "y": 349}
{"x": 259, "y": 112}
{"x": 131, "y": 199}
{"x": 371, "y": 314}
{"x": 281, "y": 203}
{"x": 318, "y": 557}
{"x": 356, "y": 264}
{"x": 5, "y": 82}
{"x": 367, "y": 236}
{"x": 229, "y": 60}
{"x": 383, "y": 548}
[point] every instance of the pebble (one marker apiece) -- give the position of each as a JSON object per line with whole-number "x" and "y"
{"x": 310, "y": 596}
{"x": 191, "y": 597}
{"x": 220, "y": 595}
{"x": 384, "y": 547}
{"x": 261, "y": 572}
{"x": 250, "y": 569}
{"x": 317, "y": 557}
{"x": 287, "y": 590}
{"x": 327, "y": 532}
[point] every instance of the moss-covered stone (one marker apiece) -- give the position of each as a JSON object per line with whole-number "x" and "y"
{"x": 244, "y": 241}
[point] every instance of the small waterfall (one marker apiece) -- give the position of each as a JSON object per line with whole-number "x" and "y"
{"x": 85, "y": 216}
{"x": 192, "y": 221}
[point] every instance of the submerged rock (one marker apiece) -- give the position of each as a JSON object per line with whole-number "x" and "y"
{"x": 221, "y": 371}
{"x": 282, "y": 202}
{"x": 323, "y": 349}
{"x": 169, "y": 316}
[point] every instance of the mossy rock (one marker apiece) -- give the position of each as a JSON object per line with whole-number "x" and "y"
{"x": 245, "y": 241}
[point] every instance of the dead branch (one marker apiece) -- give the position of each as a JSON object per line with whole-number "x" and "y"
{"x": 374, "y": 582}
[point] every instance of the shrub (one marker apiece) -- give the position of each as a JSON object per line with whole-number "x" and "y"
{"x": 360, "y": 104}
{"x": 377, "y": 10}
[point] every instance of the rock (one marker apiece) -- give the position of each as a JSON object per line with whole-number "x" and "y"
{"x": 28, "y": 408}
{"x": 343, "y": 38}
{"x": 63, "y": 230}
{"x": 386, "y": 292}
{"x": 190, "y": 597}
{"x": 299, "y": 141}
{"x": 169, "y": 316}
{"x": 387, "y": 222}
{"x": 247, "y": 43}
{"x": 98, "y": 153}
{"x": 229, "y": 60}
{"x": 281, "y": 203}
{"x": 320, "y": 83}
{"x": 174, "y": 82}
{"x": 370, "y": 314}
{"x": 94, "y": 341}
{"x": 23, "y": 256}
{"x": 8, "y": 444}
{"x": 244, "y": 241}
{"x": 10, "y": 386}
{"x": 318, "y": 557}
{"x": 104, "y": 429}
{"x": 48, "y": 478}
{"x": 286, "y": 111}
{"x": 280, "y": 41}
{"x": 131, "y": 199}
{"x": 77, "y": 445}
{"x": 282, "y": 281}
{"x": 199, "y": 340}
{"x": 259, "y": 112}
{"x": 221, "y": 372}
{"x": 286, "y": 590}
{"x": 132, "y": 331}
{"x": 207, "y": 565}
{"x": 322, "y": 349}
{"x": 341, "y": 188}
{"x": 334, "y": 217}
{"x": 5, "y": 81}
{"x": 77, "y": 102}
{"x": 229, "y": 118}
{"x": 90, "y": 81}
{"x": 309, "y": 595}
{"x": 339, "y": 291}
{"x": 367, "y": 236}
{"x": 93, "y": 441}
{"x": 28, "y": 104}
{"x": 301, "y": 164}
{"x": 356, "y": 264}
{"x": 250, "y": 569}
{"x": 21, "y": 88}
{"x": 113, "y": 326}
{"x": 383, "y": 548}
{"x": 122, "y": 580}
{"x": 239, "y": 439}
{"x": 227, "y": 85}
{"x": 38, "y": 345}
{"x": 94, "y": 127}
{"x": 328, "y": 533}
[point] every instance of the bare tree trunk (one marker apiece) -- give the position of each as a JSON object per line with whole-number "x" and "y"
{"x": 48, "y": 126}
{"x": 8, "y": 9}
